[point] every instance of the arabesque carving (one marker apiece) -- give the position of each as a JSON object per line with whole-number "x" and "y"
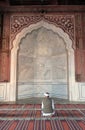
{"x": 66, "y": 22}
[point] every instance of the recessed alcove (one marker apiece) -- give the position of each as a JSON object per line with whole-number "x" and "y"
{"x": 42, "y": 59}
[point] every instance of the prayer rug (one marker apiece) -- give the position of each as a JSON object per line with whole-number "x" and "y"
{"x": 29, "y": 117}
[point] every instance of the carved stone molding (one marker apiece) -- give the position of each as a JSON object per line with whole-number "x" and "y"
{"x": 19, "y": 22}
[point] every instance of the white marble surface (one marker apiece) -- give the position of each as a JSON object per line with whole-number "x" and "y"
{"x": 42, "y": 57}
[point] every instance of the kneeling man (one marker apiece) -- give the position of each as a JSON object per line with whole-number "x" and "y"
{"x": 47, "y": 105}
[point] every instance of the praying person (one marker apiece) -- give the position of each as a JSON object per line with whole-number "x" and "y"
{"x": 47, "y": 105}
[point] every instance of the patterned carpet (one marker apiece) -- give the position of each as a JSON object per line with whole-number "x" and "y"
{"x": 28, "y": 117}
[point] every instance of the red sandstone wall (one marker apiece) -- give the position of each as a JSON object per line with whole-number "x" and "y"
{"x": 80, "y": 47}
{"x": 78, "y": 44}
{"x": 5, "y": 51}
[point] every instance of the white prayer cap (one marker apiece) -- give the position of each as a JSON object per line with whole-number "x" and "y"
{"x": 46, "y": 94}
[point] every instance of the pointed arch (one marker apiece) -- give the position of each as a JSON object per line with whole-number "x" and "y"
{"x": 16, "y": 42}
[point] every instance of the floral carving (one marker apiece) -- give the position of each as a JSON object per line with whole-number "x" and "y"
{"x": 19, "y": 22}
{"x": 63, "y": 21}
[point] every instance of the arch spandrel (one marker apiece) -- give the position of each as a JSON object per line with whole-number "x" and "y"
{"x": 21, "y": 22}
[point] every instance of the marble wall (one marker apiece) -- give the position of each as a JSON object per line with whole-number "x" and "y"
{"x": 42, "y": 64}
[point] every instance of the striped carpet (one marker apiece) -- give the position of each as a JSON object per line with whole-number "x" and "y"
{"x": 42, "y": 124}
{"x": 28, "y": 117}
